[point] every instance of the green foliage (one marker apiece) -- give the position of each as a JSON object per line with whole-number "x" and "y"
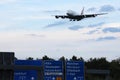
{"x": 46, "y": 58}
{"x": 100, "y": 63}
{"x": 115, "y": 69}
{"x": 29, "y": 58}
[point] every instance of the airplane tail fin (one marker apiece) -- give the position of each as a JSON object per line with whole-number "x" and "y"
{"x": 82, "y": 12}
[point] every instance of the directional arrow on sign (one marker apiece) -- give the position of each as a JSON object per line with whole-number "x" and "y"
{"x": 53, "y": 78}
{"x": 32, "y": 78}
{"x": 75, "y": 78}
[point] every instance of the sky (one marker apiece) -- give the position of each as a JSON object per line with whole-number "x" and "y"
{"x": 29, "y": 28}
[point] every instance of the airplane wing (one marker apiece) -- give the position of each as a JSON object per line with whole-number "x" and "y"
{"x": 61, "y": 16}
{"x": 92, "y": 15}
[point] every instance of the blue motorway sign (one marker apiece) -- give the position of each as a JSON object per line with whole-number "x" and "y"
{"x": 26, "y": 74}
{"x": 74, "y": 70}
{"x": 53, "y": 70}
{"x": 28, "y": 62}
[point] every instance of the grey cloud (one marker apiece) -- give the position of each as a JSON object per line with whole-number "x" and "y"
{"x": 107, "y": 8}
{"x": 91, "y": 9}
{"x": 114, "y": 30}
{"x": 91, "y": 32}
{"x": 119, "y": 9}
{"x": 106, "y": 38}
{"x": 36, "y": 35}
{"x": 55, "y": 24}
{"x": 76, "y": 27}
{"x": 95, "y": 25}
{"x": 52, "y": 11}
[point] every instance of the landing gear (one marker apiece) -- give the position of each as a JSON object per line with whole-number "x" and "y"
{"x": 62, "y": 17}
{"x": 73, "y": 20}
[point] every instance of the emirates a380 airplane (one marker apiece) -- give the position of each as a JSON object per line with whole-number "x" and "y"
{"x": 74, "y": 17}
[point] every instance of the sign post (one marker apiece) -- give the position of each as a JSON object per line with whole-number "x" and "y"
{"x": 74, "y": 70}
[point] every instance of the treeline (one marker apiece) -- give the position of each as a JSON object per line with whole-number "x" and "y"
{"x": 94, "y": 63}
{"x": 61, "y": 58}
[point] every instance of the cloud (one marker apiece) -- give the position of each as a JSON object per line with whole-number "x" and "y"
{"x": 91, "y": 32}
{"x": 98, "y": 25}
{"x": 91, "y": 9}
{"x": 119, "y": 9}
{"x": 107, "y": 8}
{"x": 35, "y": 35}
{"x": 102, "y": 28}
{"x": 55, "y": 24}
{"x": 76, "y": 27}
{"x": 6, "y": 1}
{"x": 52, "y": 11}
{"x": 95, "y": 25}
{"x": 114, "y": 30}
{"x": 106, "y": 38}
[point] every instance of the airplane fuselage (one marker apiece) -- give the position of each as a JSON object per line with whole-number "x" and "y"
{"x": 76, "y": 17}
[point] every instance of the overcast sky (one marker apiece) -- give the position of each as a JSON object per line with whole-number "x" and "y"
{"x": 28, "y": 28}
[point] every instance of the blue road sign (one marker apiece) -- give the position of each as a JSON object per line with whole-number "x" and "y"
{"x": 28, "y": 62}
{"x": 74, "y": 70}
{"x": 26, "y": 74}
{"x": 53, "y": 70}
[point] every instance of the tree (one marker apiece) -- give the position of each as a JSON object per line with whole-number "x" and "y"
{"x": 74, "y": 58}
{"x": 30, "y": 58}
{"x": 97, "y": 63}
{"x": 80, "y": 59}
{"x": 115, "y": 69}
{"x": 46, "y": 58}
{"x": 62, "y": 58}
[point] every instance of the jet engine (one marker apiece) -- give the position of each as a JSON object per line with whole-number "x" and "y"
{"x": 56, "y": 17}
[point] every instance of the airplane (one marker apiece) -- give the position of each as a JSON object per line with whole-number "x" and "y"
{"x": 74, "y": 17}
